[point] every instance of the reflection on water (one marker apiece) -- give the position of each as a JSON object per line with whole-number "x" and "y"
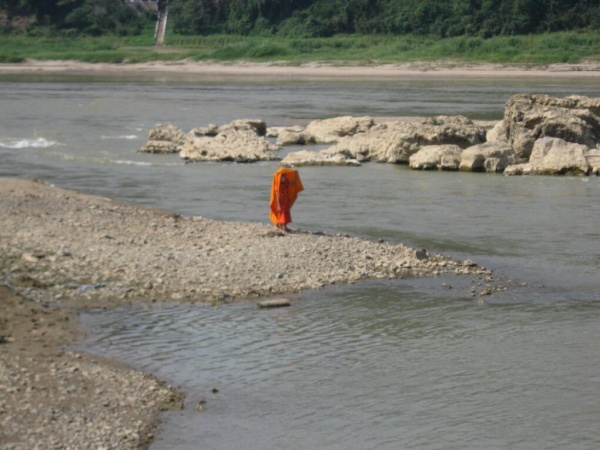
{"x": 378, "y": 365}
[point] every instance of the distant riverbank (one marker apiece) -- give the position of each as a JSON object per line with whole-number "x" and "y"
{"x": 187, "y": 68}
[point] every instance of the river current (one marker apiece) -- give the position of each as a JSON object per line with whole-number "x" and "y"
{"x": 405, "y": 364}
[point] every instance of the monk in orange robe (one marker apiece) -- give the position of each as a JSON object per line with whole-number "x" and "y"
{"x": 284, "y": 191}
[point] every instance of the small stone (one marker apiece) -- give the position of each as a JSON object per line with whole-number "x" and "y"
{"x": 422, "y": 255}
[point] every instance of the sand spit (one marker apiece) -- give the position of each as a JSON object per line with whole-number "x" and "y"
{"x": 62, "y": 250}
{"x": 83, "y": 250}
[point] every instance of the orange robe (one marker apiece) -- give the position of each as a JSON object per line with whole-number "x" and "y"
{"x": 284, "y": 191}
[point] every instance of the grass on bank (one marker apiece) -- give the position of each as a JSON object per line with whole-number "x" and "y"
{"x": 564, "y": 47}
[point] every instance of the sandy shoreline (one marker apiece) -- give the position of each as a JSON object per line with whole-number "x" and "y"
{"x": 312, "y": 70}
{"x": 63, "y": 250}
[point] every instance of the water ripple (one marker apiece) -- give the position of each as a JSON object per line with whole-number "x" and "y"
{"x": 373, "y": 366}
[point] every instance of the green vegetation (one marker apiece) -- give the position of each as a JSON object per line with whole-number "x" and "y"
{"x": 296, "y": 31}
{"x": 304, "y": 18}
{"x": 73, "y": 17}
{"x": 439, "y": 18}
{"x": 113, "y": 49}
{"x": 565, "y": 47}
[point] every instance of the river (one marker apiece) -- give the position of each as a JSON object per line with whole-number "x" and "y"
{"x": 406, "y": 364}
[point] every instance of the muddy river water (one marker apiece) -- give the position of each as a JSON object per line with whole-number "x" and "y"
{"x": 406, "y": 364}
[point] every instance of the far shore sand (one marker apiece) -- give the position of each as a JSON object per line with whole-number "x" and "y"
{"x": 188, "y": 68}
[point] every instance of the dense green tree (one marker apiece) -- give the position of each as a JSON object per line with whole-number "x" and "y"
{"x": 196, "y": 16}
{"x": 443, "y": 18}
{"x": 93, "y": 17}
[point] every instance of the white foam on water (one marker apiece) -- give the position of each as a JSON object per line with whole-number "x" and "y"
{"x": 124, "y": 162}
{"x": 128, "y": 162}
{"x": 27, "y": 143}
{"x": 125, "y": 137}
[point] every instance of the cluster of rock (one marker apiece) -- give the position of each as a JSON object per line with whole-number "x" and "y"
{"x": 539, "y": 134}
{"x": 240, "y": 141}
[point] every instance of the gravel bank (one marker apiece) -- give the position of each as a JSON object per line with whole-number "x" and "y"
{"x": 52, "y": 399}
{"x": 63, "y": 250}
{"x": 83, "y": 250}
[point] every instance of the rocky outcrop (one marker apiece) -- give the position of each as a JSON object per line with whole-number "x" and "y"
{"x": 289, "y": 137}
{"x": 528, "y": 118}
{"x": 240, "y": 141}
{"x": 239, "y": 144}
{"x": 310, "y": 158}
{"x": 487, "y": 157}
{"x": 209, "y": 130}
{"x": 437, "y": 143}
{"x": 164, "y": 138}
{"x": 436, "y": 157}
{"x": 498, "y": 132}
{"x": 328, "y": 131}
{"x": 257, "y": 126}
{"x": 553, "y": 156}
{"x": 593, "y": 158}
{"x": 396, "y": 142}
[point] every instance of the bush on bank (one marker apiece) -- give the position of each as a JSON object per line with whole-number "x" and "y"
{"x": 564, "y": 47}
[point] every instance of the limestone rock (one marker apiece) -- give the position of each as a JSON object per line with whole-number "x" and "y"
{"x": 259, "y": 126}
{"x": 552, "y": 156}
{"x": 164, "y": 138}
{"x": 498, "y": 133}
{"x": 328, "y": 131}
{"x": 518, "y": 169}
{"x": 593, "y": 158}
{"x": 209, "y": 130}
{"x": 492, "y": 156}
{"x": 436, "y": 157}
{"x": 529, "y": 117}
{"x": 396, "y": 142}
{"x": 166, "y": 132}
{"x": 309, "y": 158}
{"x": 231, "y": 144}
{"x": 159, "y": 147}
{"x": 288, "y": 137}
